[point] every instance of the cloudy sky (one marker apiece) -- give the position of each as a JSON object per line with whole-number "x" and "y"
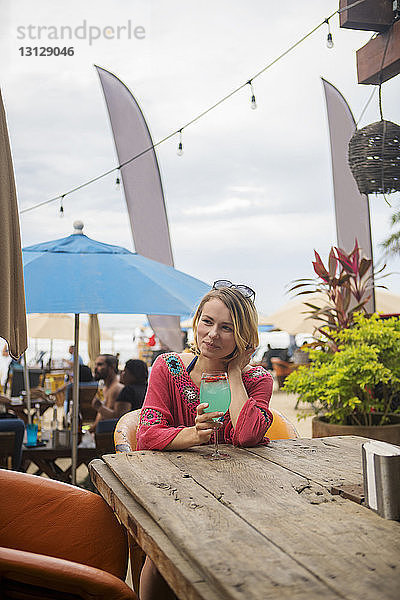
{"x": 252, "y": 195}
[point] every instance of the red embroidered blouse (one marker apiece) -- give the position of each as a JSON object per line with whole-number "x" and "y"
{"x": 172, "y": 398}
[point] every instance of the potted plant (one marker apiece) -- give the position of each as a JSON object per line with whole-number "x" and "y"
{"x": 353, "y": 380}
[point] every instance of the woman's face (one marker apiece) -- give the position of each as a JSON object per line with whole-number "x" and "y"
{"x": 126, "y": 377}
{"x": 215, "y": 334}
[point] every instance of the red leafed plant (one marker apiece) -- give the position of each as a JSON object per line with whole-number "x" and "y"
{"x": 347, "y": 281}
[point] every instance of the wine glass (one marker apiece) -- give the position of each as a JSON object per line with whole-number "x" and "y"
{"x": 214, "y": 389}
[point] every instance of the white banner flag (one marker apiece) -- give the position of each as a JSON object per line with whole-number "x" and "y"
{"x": 143, "y": 189}
{"x": 351, "y": 207}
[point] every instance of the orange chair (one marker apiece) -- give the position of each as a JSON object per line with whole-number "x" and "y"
{"x": 126, "y": 429}
{"x": 59, "y": 541}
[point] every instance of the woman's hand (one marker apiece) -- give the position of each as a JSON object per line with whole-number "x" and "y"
{"x": 204, "y": 424}
{"x": 240, "y": 362}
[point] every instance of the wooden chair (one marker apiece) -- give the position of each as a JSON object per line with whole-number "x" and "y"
{"x": 87, "y": 392}
{"x": 59, "y": 541}
{"x": 7, "y": 442}
{"x": 104, "y": 435}
{"x": 15, "y": 383}
{"x": 11, "y": 438}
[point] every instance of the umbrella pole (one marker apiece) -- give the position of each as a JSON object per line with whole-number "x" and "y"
{"x": 75, "y": 404}
{"x": 27, "y": 389}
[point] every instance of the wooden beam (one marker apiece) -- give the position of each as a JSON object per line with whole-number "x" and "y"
{"x": 371, "y": 15}
{"x": 369, "y": 57}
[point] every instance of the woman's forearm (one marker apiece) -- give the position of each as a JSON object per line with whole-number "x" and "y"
{"x": 238, "y": 395}
{"x": 186, "y": 438}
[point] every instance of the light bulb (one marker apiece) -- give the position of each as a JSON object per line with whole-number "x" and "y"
{"x": 253, "y": 103}
{"x": 329, "y": 40}
{"x": 180, "y": 145}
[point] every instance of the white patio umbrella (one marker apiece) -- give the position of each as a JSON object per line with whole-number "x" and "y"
{"x": 55, "y": 326}
{"x": 292, "y": 317}
{"x": 93, "y": 339}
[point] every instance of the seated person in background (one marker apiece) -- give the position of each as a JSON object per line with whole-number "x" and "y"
{"x": 70, "y": 361}
{"x": 300, "y": 355}
{"x": 106, "y": 368}
{"x": 266, "y": 359}
{"x": 134, "y": 377}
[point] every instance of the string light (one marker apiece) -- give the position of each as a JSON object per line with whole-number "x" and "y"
{"x": 202, "y": 114}
{"x": 329, "y": 40}
{"x": 180, "y": 145}
{"x": 253, "y": 96}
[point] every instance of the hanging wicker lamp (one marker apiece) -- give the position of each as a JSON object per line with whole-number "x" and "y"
{"x": 374, "y": 158}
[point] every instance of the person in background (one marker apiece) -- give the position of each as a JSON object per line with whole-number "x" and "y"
{"x": 70, "y": 361}
{"x": 106, "y": 368}
{"x": 134, "y": 377}
{"x": 300, "y": 355}
{"x": 266, "y": 359}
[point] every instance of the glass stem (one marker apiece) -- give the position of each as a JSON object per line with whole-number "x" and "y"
{"x": 216, "y": 440}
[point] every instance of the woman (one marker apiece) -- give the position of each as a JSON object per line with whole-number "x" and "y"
{"x": 172, "y": 418}
{"x": 134, "y": 377}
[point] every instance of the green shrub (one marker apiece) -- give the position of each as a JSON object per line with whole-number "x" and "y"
{"x": 361, "y": 378}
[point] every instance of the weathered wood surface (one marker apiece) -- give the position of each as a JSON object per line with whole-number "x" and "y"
{"x": 330, "y": 461}
{"x": 215, "y": 539}
{"x": 175, "y": 568}
{"x": 264, "y": 524}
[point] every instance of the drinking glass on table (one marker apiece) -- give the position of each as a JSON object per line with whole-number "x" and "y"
{"x": 31, "y": 434}
{"x": 214, "y": 389}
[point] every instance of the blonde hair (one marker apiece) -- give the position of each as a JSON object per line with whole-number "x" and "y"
{"x": 244, "y": 318}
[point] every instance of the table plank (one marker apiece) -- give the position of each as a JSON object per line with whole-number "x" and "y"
{"x": 209, "y": 532}
{"x": 322, "y": 532}
{"x": 181, "y": 574}
{"x": 332, "y": 461}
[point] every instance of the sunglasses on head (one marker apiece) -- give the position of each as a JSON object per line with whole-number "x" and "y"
{"x": 243, "y": 289}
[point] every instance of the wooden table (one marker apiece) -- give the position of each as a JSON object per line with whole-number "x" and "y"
{"x": 45, "y": 460}
{"x": 20, "y": 408}
{"x": 273, "y": 522}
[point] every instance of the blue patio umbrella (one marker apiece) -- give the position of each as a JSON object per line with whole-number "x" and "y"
{"x": 77, "y": 275}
